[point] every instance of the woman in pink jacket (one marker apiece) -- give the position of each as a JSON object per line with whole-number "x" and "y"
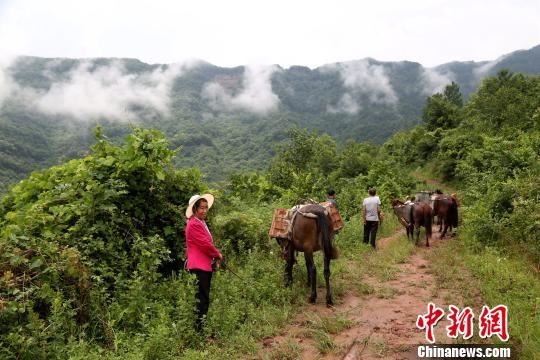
{"x": 200, "y": 251}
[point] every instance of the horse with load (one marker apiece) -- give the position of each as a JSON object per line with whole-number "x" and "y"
{"x": 307, "y": 228}
{"x": 421, "y": 212}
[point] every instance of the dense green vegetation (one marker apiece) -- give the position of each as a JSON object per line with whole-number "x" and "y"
{"x": 90, "y": 249}
{"x": 490, "y": 149}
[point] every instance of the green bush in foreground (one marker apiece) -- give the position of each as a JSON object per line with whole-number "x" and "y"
{"x": 76, "y": 238}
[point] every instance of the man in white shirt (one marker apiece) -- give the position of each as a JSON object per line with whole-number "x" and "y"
{"x": 371, "y": 214}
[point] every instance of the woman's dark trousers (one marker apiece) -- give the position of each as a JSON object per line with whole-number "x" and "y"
{"x": 204, "y": 279}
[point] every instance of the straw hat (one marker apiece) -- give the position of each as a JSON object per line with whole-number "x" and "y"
{"x": 209, "y": 198}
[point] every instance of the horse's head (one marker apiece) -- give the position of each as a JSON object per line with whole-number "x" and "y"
{"x": 284, "y": 246}
{"x": 396, "y": 202}
{"x": 402, "y": 211}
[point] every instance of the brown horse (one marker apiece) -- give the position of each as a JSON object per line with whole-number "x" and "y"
{"x": 446, "y": 209}
{"x": 311, "y": 231}
{"x": 413, "y": 216}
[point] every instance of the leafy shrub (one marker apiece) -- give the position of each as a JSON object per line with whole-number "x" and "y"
{"x": 241, "y": 233}
{"x": 77, "y": 236}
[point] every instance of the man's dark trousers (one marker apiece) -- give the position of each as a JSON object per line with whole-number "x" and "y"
{"x": 370, "y": 232}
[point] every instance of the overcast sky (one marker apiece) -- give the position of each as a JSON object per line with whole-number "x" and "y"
{"x": 284, "y": 32}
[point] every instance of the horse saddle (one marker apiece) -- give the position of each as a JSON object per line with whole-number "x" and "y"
{"x": 292, "y": 213}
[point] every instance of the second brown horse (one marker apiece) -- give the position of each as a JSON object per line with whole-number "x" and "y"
{"x": 446, "y": 209}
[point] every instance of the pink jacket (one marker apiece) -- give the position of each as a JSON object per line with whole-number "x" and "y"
{"x": 199, "y": 244}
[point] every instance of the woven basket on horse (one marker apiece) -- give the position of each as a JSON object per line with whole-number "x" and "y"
{"x": 337, "y": 221}
{"x": 280, "y": 224}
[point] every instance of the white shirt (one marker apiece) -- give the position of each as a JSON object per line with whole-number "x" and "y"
{"x": 371, "y": 205}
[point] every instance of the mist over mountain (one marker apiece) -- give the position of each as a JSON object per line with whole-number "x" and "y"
{"x": 222, "y": 119}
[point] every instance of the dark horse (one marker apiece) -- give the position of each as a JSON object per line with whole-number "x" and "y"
{"x": 446, "y": 209}
{"x": 413, "y": 216}
{"x": 311, "y": 231}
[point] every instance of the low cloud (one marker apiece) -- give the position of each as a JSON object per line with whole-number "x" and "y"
{"x": 364, "y": 82}
{"x": 435, "y": 82}
{"x": 7, "y": 85}
{"x": 256, "y": 95}
{"x": 108, "y": 91}
{"x": 483, "y": 70}
{"x": 345, "y": 105}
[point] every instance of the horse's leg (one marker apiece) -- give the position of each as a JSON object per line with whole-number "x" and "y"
{"x": 289, "y": 265}
{"x": 312, "y": 274}
{"x": 308, "y": 269}
{"x": 329, "y": 301}
{"x": 417, "y": 226}
{"x": 445, "y": 229}
{"x": 427, "y": 236}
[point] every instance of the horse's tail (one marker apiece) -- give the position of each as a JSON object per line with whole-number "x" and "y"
{"x": 410, "y": 215}
{"x": 428, "y": 217}
{"x": 453, "y": 213}
{"x": 435, "y": 206}
{"x": 324, "y": 227}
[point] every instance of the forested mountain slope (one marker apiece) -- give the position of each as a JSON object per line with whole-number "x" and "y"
{"x": 224, "y": 119}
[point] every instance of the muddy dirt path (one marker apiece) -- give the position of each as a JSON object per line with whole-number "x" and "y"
{"x": 381, "y": 320}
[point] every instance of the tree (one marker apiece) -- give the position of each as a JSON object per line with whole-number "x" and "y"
{"x": 453, "y": 95}
{"x": 505, "y": 103}
{"x": 440, "y": 113}
{"x": 355, "y": 159}
{"x": 304, "y": 152}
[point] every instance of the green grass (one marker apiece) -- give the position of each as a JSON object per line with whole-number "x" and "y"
{"x": 321, "y": 329}
{"x": 360, "y": 259}
{"x": 383, "y": 264}
{"x": 386, "y": 292}
{"x": 289, "y": 350}
{"x": 490, "y": 278}
{"x": 365, "y": 289}
{"x": 329, "y": 324}
{"x": 381, "y": 348}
